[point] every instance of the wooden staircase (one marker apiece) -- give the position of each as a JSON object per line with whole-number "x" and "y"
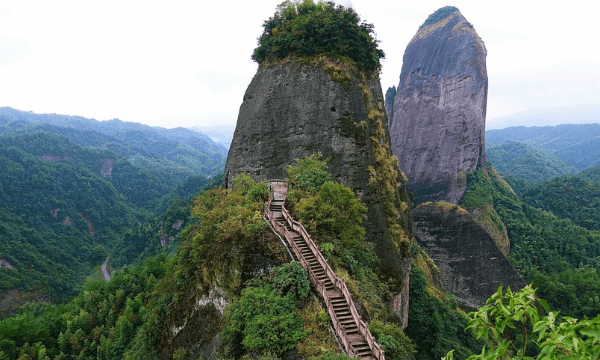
{"x": 352, "y": 332}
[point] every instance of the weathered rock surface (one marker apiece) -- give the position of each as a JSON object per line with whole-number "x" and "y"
{"x": 390, "y": 95}
{"x": 438, "y": 126}
{"x": 471, "y": 264}
{"x": 293, "y": 110}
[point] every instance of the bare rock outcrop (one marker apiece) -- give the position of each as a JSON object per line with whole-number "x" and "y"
{"x": 471, "y": 264}
{"x": 296, "y": 109}
{"x": 438, "y": 126}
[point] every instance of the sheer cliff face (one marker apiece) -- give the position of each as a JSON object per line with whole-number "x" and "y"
{"x": 438, "y": 127}
{"x": 471, "y": 264}
{"x": 293, "y": 110}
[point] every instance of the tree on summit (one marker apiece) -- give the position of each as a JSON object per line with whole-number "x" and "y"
{"x": 306, "y": 28}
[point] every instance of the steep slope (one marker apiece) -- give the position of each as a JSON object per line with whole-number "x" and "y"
{"x": 438, "y": 135}
{"x": 59, "y": 218}
{"x": 471, "y": 264}
{"x": 296, "y": 109}
{"x": 439, "y": 109}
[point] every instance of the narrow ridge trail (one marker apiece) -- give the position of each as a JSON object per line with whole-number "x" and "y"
{"x": 352, "y": 331}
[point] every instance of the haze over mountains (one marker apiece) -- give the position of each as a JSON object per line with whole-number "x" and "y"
{"x": 197, "y": 273}
{"x": 550, "y": 116}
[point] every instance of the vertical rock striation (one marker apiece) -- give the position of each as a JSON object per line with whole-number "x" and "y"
{"x": 390, "y": 95}
{"x": 471, "y": 265}
{"x": 300, "y": 107}
{"x": 438, "y": 127}
{"x": 438, "y": 134}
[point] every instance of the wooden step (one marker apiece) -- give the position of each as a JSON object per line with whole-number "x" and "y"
{"x": 339, "y": 305}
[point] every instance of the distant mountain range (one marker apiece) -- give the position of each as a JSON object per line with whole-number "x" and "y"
{"x": 74, "y": 191}
{"x": 577, "y": 145}
{"x": 182, "y": 151}
{"x": 550, "y": 116}
{"x": 222, "y": 134}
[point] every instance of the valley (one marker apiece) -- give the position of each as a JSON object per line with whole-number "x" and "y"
{"x": 410, "y": 232}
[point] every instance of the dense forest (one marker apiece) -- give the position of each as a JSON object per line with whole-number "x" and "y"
{"x": 307, "y": 28}
{"x": 169, "y": 154}
{"x": 70, "y": 197}
{"x": 554, "y": 253}
{"x": 526, "y": 162}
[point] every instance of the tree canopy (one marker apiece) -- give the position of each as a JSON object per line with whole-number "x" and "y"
{"x": 307, "y": 28}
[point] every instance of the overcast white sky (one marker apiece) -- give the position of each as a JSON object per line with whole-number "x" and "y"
{"x": 186, "y": 63}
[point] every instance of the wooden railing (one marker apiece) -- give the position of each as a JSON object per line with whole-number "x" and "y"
{"x": 340, "y": 329}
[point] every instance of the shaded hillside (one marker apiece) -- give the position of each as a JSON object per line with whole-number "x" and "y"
{"x": 66, "y": 208}
{"x": 529, "y": 163}
{"x": 591, "y": 174}
{"x": 577, "y": 145}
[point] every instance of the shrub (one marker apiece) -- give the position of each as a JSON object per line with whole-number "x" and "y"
{"x": 309, "y": 172}
{"x": 512, "y": 323}
{"x": 265, "y": 319}
{"x": 396, "y": 344}
{"x": 307, "y": 28}
{"x": 291, "y": 277}
{"x": 333, "y": 213}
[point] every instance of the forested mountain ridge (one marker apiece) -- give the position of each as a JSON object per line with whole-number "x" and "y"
{"x": 550, "y": 250}
{"x": 526, "y": 162}
{"x": 577, "y": 145}
{"x": 166, "y": 152}
{"x": 70, "y": 196}
{"x": 59, "y": 217}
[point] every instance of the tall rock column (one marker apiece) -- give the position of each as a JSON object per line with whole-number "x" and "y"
{"x": 297, "y": 108}
{"x": 438, "y": 127}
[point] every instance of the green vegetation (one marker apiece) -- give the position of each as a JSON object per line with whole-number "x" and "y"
{"x": 60, "y": 218}
{"x": 557, "y": 256}
{"x": 306, "y": 28}
{"x": 332, "y": 214}
{"x": 100, "y": 323}
{"x": 438, "y": 15}
{"x": 171, "y": 155}
{"x": 526, "y": 162}
{"x": 568, "y": 197}
{"x": 576, "y": 145}
{"x": 592, "y": 174}
{"x": 266, "y": 317}
{"x": 512, "y": 323}
{"x": 45, "y": 211}
{"x": 71, "y": 195}
{"x": 435, "y": 324}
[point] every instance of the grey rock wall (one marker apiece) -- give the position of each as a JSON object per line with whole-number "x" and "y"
{"x": 471, "y": 264}
{"x": 293, "y": 110}
{"x": 438, "y": 127}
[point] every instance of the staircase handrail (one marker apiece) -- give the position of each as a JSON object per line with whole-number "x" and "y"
{"x": 340, "y": 330}
{"x": 363, "y": 329}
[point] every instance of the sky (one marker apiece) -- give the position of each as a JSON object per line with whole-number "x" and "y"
{"x": 187, "y": 63}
